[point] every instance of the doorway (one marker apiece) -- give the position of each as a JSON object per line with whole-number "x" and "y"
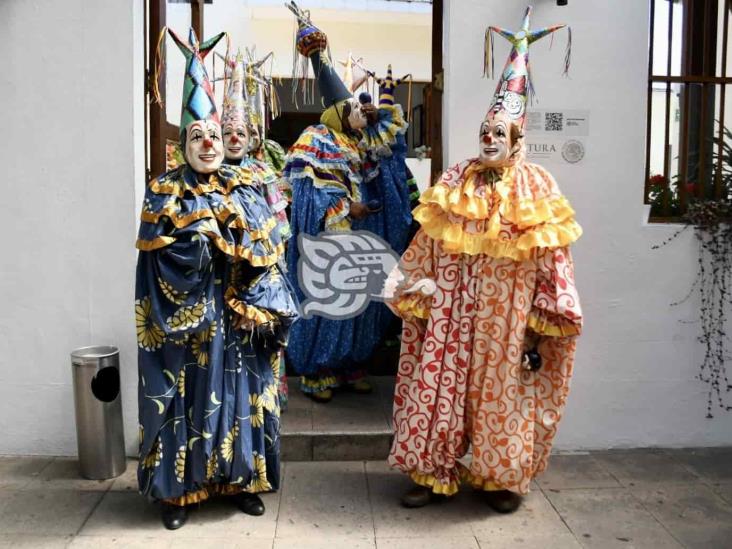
{"x": 407, "y": 35}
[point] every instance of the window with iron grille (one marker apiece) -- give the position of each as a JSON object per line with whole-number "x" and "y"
{"x": 689, "y": 127}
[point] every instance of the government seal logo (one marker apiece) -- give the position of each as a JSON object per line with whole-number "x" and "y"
{"x": 573, "y": 151}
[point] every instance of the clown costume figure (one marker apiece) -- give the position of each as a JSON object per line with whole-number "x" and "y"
{"x": 239, "y": 132}
{"x": 394, "y": 189}
{"x": 491, "y": 313}
{"x": 213, "y": 313}
{"x": 326, "y": 168}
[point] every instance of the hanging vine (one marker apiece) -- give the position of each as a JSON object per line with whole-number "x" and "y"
{"x": 711, "y": 220}
{"x": 713, "y": 280}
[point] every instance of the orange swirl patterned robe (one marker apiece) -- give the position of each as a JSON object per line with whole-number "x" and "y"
{"x": 496, "y": 245}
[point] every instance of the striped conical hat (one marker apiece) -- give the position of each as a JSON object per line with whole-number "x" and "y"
{"x": 514, "y": 89}
{"x": 234, "y": 108}
{"x": 198, "y": 97}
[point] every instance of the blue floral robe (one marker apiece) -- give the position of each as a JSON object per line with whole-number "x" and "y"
{"x": 208, "y": 403}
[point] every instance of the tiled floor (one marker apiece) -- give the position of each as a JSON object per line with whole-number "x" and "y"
{"x": 630, "y": 499}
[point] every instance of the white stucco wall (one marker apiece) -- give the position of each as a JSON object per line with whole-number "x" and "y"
{"x": 70, "y": 101}
{"x": 634, "y": 379}
{"x": 73, "y": 163}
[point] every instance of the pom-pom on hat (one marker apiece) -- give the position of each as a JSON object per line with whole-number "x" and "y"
{"x": 312, "y": 43}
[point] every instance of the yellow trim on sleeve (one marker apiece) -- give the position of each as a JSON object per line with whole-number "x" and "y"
{"x": 248, "y": 312}
{"x": 542, "y": 325}
{"x": 412, "y": 306}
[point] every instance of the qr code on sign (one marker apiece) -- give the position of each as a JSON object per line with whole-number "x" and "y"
{"x": 553, "y": 122}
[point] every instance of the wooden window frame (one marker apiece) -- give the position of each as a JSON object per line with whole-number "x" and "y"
{"x": 699, "y": 71}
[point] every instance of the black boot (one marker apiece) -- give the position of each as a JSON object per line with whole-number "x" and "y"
{"x": 173, "y": 516}
{"x": 251, "y": 504}
{"x": 503, "y": 501}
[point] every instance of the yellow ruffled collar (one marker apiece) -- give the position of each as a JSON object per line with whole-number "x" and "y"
{"x": 474, "y": 210}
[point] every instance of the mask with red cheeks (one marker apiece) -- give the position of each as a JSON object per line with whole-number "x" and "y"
{"x": 496, "y": 141}
{"x": 204, "y": 146}
{"x": 236, "y": 141}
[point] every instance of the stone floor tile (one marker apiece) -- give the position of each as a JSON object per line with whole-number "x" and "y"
{"x": 385, "y": 388}
{"x": 29, "y": 541}
{"x": 324, "y": 499}
{"x": 45, "y": 512}
{"x": 221, "y": 518}
{"x": 610, "y": 517}
{"x": 350, "y": 413}
{"x": 112, "y": 542}
{"x": 127, "y": 481}
{"x": 570, "y": 471}
{"x": 127, "y": 514}
{"x": 529, "y": 540}
{"x": 296, "y": 447}
{"x": 358, "y": 447}
{"x": 714, "y": 464}
{"x": 723, "y": 490}
{"x": 448, "y": 518}
{"x": 253, "y": 543}
{"x": 635, "y": 468}
{"x": 222, "y": 542}
{"x": 536, "y": 515}
{"x": 17, "y": 471}
{"x": 325, "y": 542}
{"x": 433, "y": 542}
{"x": 124, "y": 514}
{"x": 64, "y": 474}
{"x": 694, "y": 514}
{"x": 298, "y": 418}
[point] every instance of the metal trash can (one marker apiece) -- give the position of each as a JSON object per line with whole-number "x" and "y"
{"x": 99, "y": 432}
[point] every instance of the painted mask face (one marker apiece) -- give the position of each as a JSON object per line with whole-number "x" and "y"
{"x": 254, "y": 140}
{"x": 494, "y": 142}
{"x": 236, "y": 141}
{"x": 357, "y": 118}
{"x": 204, "y": 146}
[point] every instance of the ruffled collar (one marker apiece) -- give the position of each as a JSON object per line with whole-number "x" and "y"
{"x": 184, "y": 179}
{"x": 504, "y": 213}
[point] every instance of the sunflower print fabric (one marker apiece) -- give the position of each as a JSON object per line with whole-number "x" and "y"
{"x": 209, "y": 257}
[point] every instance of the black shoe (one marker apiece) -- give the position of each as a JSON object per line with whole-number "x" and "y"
{"x": 173, "y": 516}
{"x": 503, "y": 501}
{"x": 417, "y": 496}
{"x": 251, "y": 504}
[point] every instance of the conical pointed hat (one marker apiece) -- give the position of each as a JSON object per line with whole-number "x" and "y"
{"x": 514, "y": 89}
{"x": 198, "y": 98}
